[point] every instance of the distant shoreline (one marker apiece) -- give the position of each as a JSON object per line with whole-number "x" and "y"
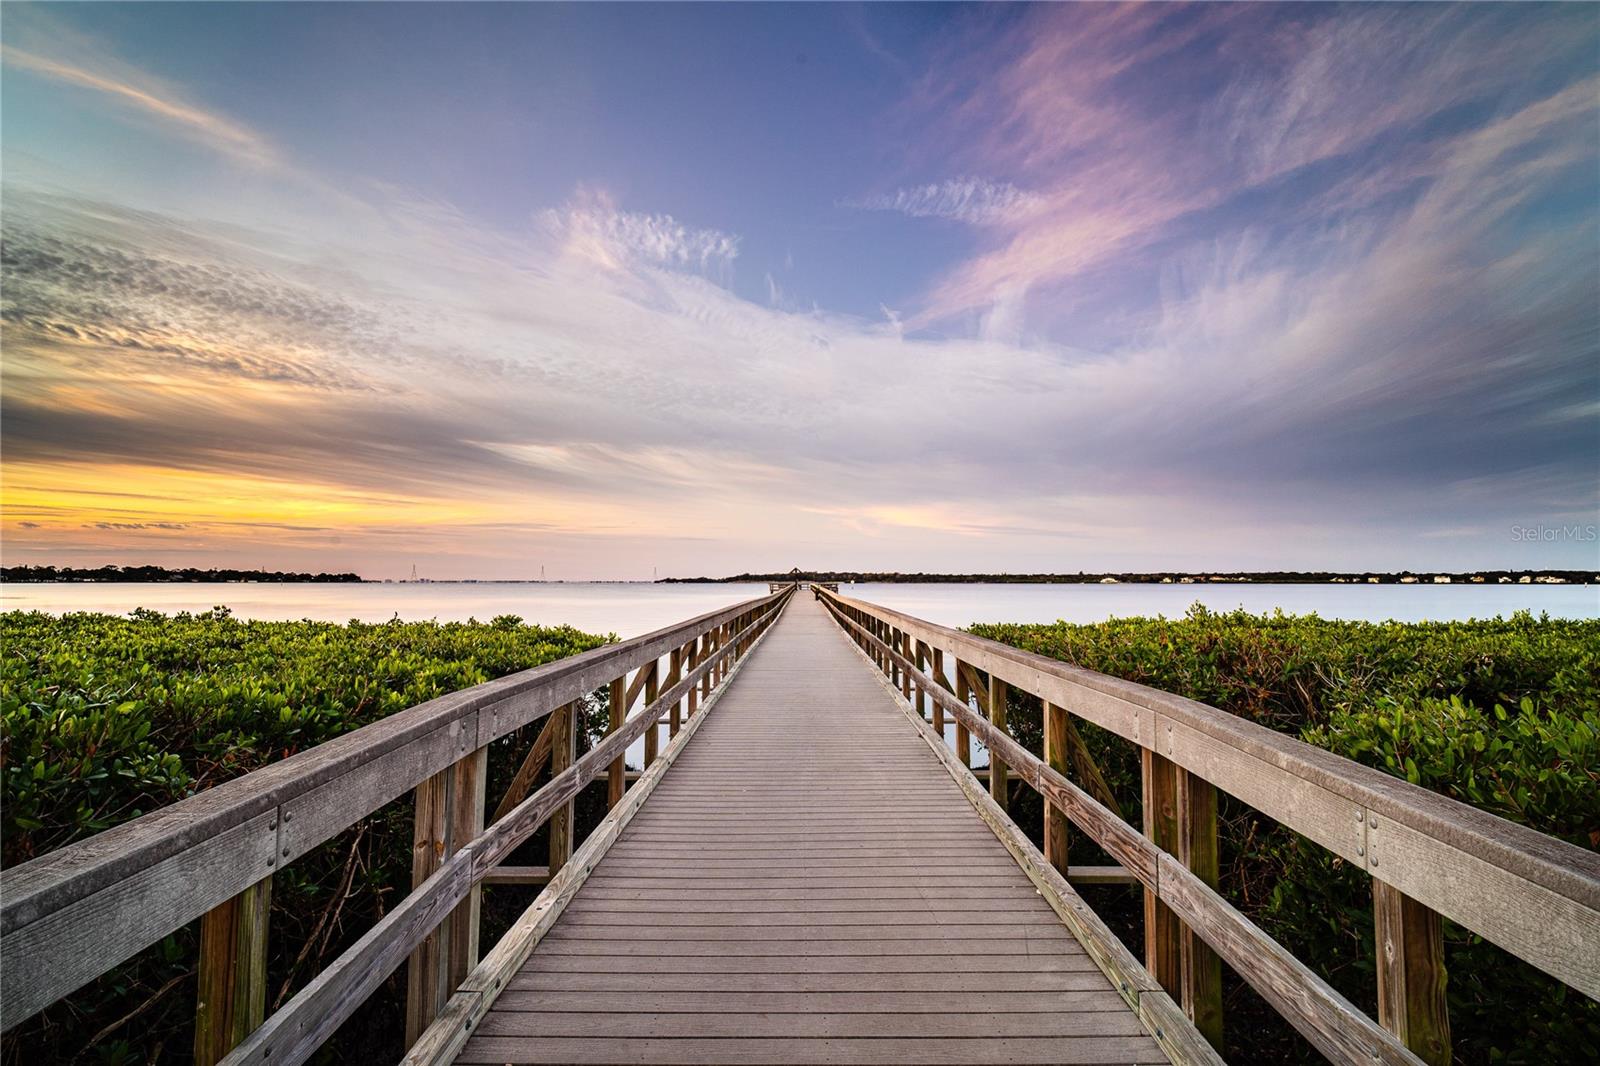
{"x": 1179, "y": 577}
{"x": 128, "y": 575}
{"x": 190, "y": 576}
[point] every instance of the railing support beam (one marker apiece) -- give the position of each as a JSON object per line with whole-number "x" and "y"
{"x": 232, "y": 998}
{"x": 675, "y": 671}
{"x": 616, "y": 779}
{"x": 1057, "y": 832}
{"x": 652, "y": 736}
{"x": 999, "y": 781}
{"x": 448, "y": 815}
{"x": 1200, "y": 967}
{"x": 694, "y": 690}
{"x": 563, "y": 752}
{"x": 1411, "y": 973}
{"x": 1163, "y": 933}
{"x": 963, "y": 735}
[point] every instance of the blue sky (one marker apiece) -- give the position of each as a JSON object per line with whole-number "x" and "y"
{"x": 714, "y": 287}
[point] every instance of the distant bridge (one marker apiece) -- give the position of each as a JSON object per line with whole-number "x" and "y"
{"x": 805, "y": 872}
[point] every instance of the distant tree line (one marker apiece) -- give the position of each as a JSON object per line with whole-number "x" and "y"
{"x": 159, "y": 574}
{"x": 1196, "y": 577}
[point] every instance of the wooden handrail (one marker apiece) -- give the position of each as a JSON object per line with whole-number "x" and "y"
{"x": 292, "y": 1034}
{"x": 70, "y": 916}
{"x": 1533, "y": 895}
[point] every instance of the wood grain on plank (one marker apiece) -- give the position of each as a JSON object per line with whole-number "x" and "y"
{"x": 936, "y": 1051}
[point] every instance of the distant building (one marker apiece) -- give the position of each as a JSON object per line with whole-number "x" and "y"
{"x": 1408, "y": 580}
{"x": 1524, "y": 580}
{"x": 1441, "y": 579}
{"x": 1109, "y": 581}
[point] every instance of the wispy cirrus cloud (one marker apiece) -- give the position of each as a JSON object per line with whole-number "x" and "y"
{"x": 170, "y": 526}
{"x": 593, "y": 227}
{"x": 145, "y": 97}
{"x": 972, "y": 200}
{"x": 1290, "y": 106}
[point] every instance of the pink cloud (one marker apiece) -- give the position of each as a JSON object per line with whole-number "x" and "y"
{"x": 1074, "y": 103}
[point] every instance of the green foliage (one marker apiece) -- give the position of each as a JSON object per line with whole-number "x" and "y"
{"x": 1503, "y": 714}
{"x": 107, "y": 717}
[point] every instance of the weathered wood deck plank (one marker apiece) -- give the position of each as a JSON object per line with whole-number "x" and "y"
{"x": 663, "y": 1000}
{"x": 935, "y": 1051}
{"x": 809, "y": 885}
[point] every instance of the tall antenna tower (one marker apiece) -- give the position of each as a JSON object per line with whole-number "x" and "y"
{"x": 414, "y": 576}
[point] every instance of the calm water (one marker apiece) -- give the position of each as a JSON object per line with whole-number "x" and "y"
{"x": 629, "y": 609}
{"x": 960, "y": 605}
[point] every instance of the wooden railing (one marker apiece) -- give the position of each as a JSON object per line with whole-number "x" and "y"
{"x": 1535, "y": 896}
{"x": 72, "y": 915}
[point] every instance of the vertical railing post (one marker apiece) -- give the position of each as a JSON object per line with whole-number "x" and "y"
{"x": 1162, "y": 931}
{"x": 922, "y": 665}
{"x": 429, "y": 833}
{"x": 694, "y": 690}
{"x": 1411, "y": 973}
{"x": 999, "y": 789}
{"x": 461, "y": 944}
{"x": 563, "y": 753}
{"x": 938, "y": 708}
{"x": 905, "y": 674}
{"x": 232, "y": 999}
{"x": 709, "y": 642}
{"x": 652, "y": 736}
{"x": 674, "y": 672}
{"x": 447, "y": 815}
{"x": 616, "y": 773}
{"x": 1201, "y": 968}
{"x": 1056, "y": 826}
{"x": 722, "y": 642}
{"x": 963, "y": 735}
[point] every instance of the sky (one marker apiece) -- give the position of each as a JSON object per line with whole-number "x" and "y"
{"x": 617, "y": 291}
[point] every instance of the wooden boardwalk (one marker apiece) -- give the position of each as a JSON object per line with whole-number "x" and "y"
{"x": 808, "y": 885}
{"x": 805, "y": 873}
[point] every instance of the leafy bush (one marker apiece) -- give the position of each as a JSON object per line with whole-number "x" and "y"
{"x": 107, "y": 717}
{"x": 1503, "y": 714}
